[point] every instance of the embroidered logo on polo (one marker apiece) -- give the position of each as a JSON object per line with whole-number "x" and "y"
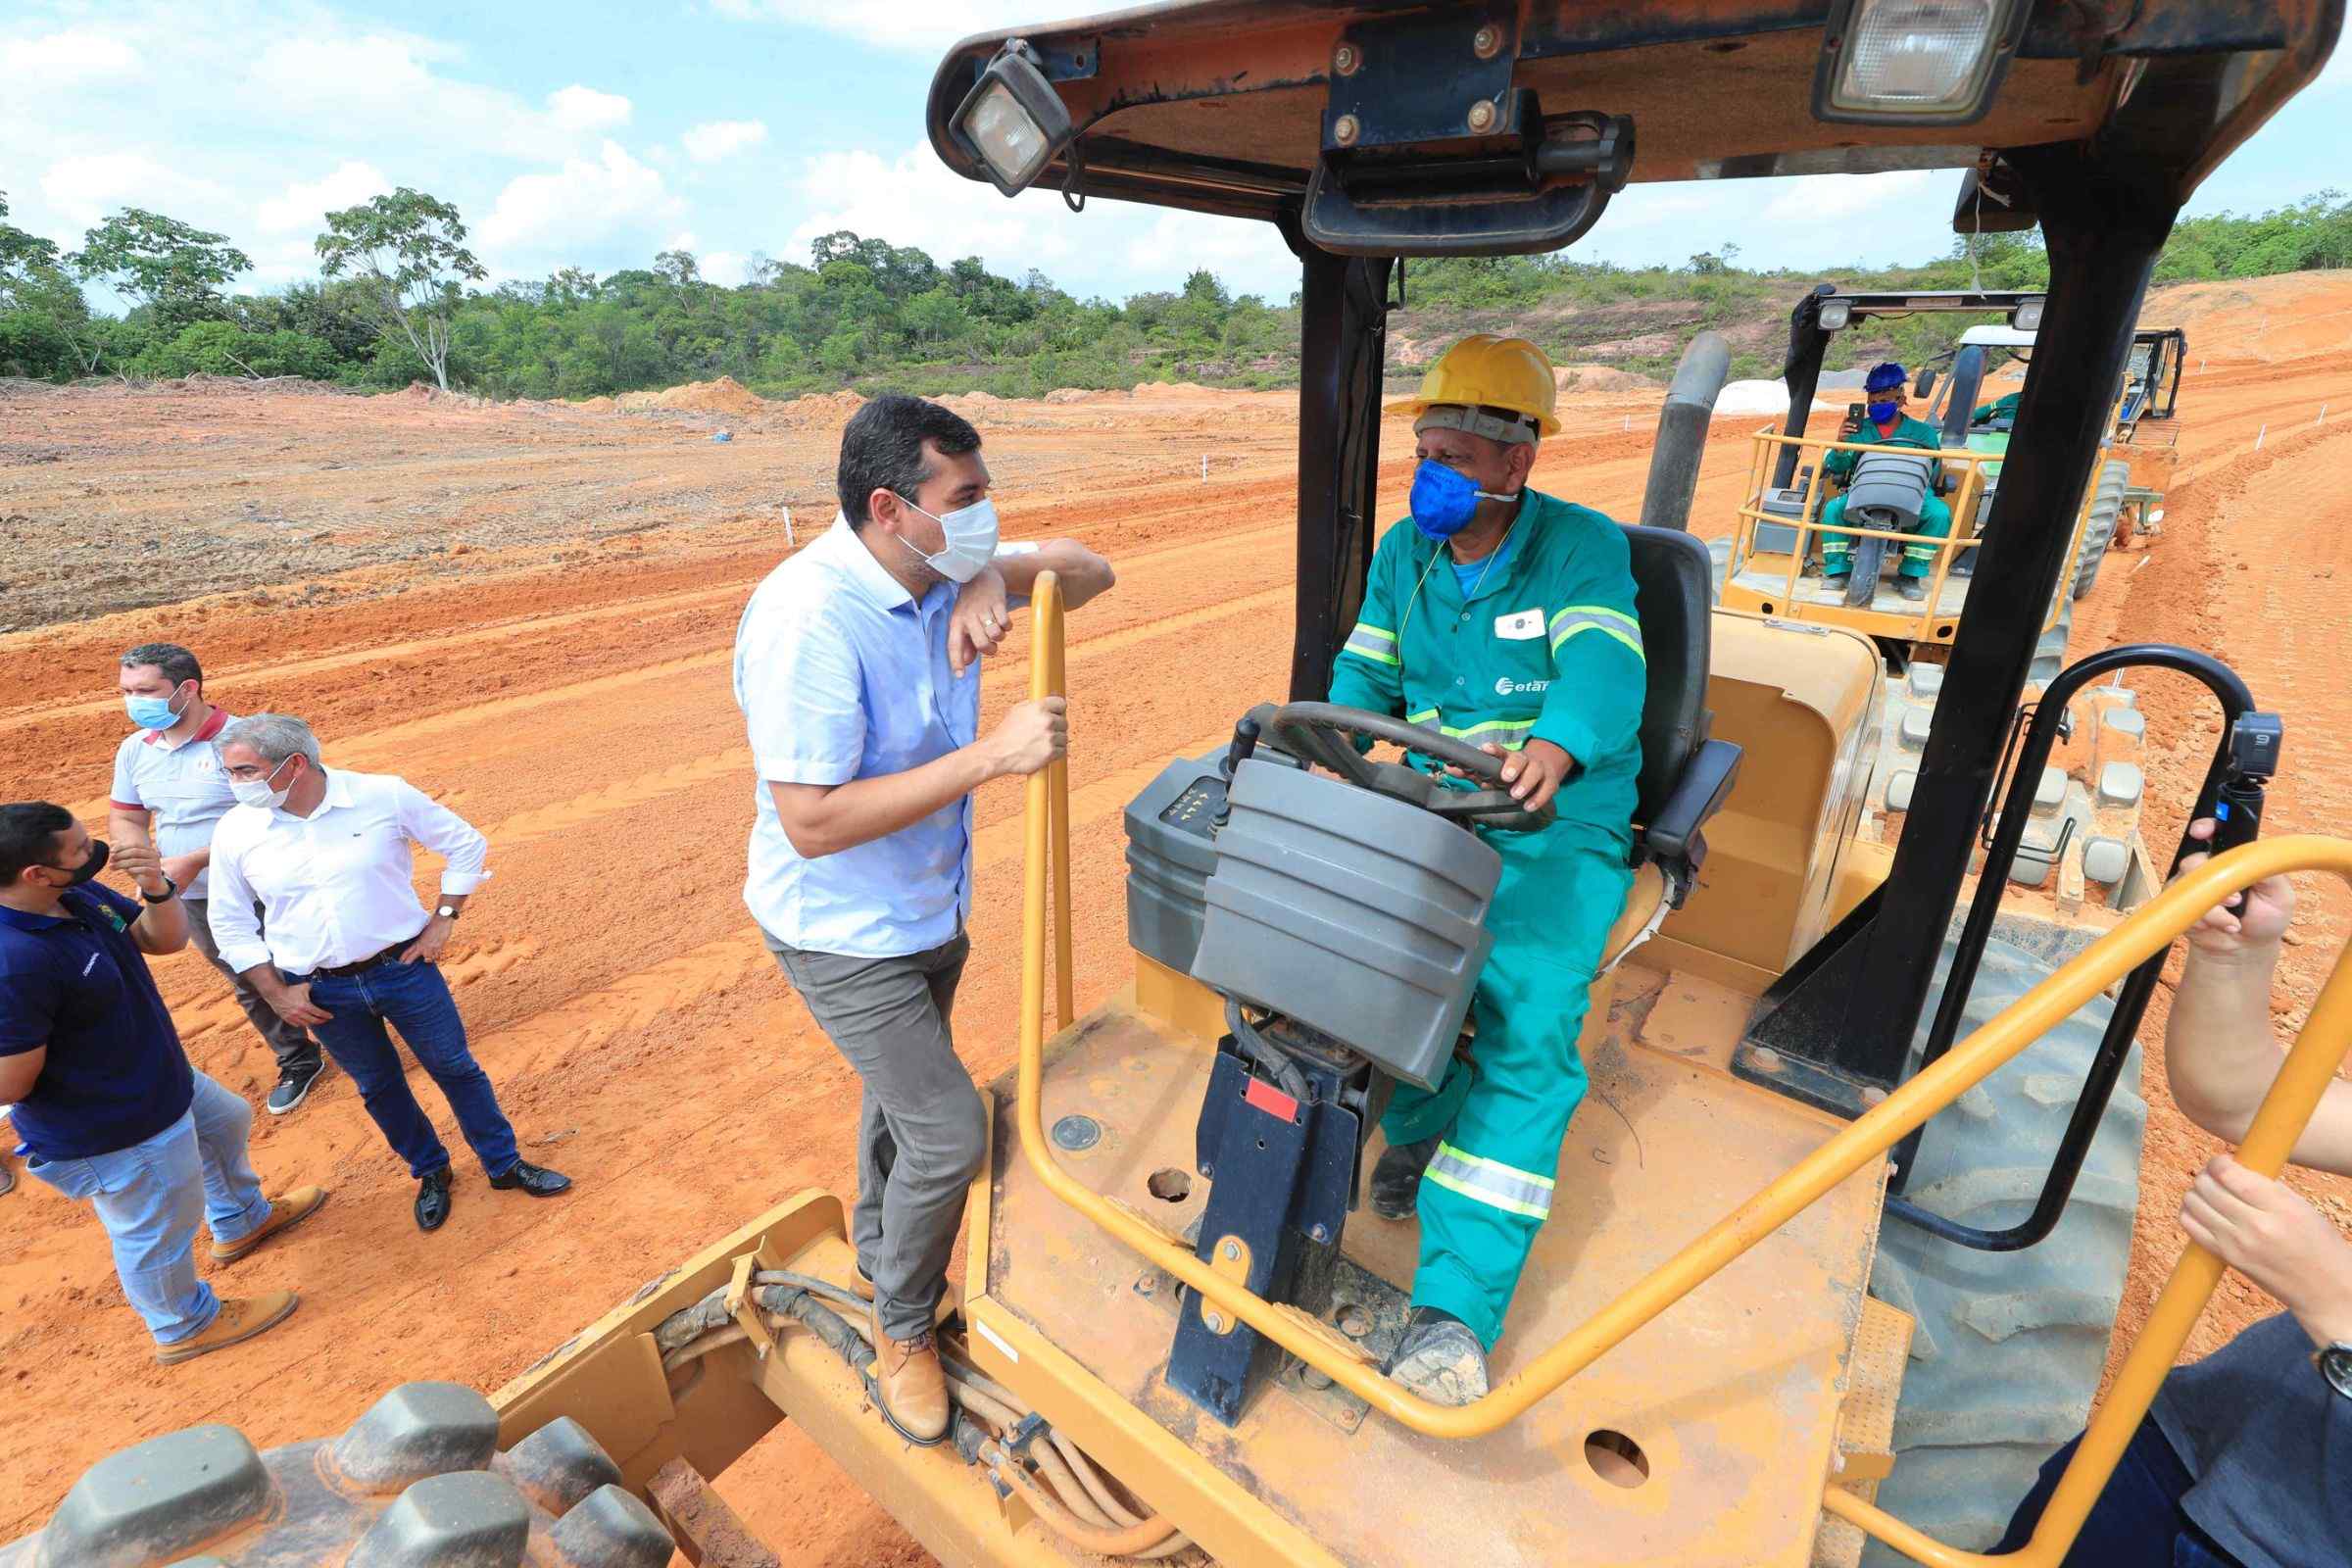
{"x": 1504, "y": 686}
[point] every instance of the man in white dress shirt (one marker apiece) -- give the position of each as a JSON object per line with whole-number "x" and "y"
{"x": 343, "y": 947}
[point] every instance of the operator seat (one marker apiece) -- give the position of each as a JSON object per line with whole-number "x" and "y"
{"x": 1686, "y": 776}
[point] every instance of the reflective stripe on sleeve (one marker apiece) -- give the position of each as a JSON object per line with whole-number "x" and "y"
{"x": 1508, "y": 733}
{"x": 1601, "y": 618}
{"x": 1370, "y": 641}
{"x": 1492, "y": 1183}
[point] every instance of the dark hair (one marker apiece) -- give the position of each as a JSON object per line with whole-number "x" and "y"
{"x": 179, "y": 666}
{"x": 28, "y": 831}
{"x": 882, "y": 448}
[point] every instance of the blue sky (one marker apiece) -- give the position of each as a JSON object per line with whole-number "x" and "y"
{"x": 596, "y": 134}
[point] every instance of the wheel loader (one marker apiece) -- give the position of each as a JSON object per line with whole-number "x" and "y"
{"x": 1799, "y": 1292}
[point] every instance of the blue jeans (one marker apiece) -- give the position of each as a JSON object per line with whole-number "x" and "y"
{"x": 413, "y": 998}
{"x": 148, "y": 1197}
{"x": 2139, "y": 1517}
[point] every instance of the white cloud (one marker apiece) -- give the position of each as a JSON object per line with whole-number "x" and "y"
{"x": 85, "y": 188}
{"x": 1817, "y": 199}
{"x": 928, "y": 25}
{"x": 578, "y": 108}
{"x": 578, "y": 205}
{"x": 726, "y": 269}
{"x": 67, "y": 59}
{"x": 722, "y": 138}
{"x": 302, "y": 206}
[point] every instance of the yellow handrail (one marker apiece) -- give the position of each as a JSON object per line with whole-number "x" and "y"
{"x": 2284, "y": 1111}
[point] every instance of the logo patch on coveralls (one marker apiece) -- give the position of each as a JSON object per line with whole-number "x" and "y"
{"x": 1520, "y": 626}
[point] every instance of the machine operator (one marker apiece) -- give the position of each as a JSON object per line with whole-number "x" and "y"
{"x": 1884, "y": 425}
{"x": 1505, "y": 617}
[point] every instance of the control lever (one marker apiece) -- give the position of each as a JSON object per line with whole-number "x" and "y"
{"x": 1244, "y": 741}
{"x": 2254, "y": 742}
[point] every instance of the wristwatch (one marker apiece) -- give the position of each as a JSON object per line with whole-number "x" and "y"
{"x": 447, "y": 912}
{"x": 171, "y": 892}
{"x": 2334, "y": 1362}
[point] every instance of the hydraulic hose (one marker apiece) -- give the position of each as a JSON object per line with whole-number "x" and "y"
{"x": 1126, "y": 1542}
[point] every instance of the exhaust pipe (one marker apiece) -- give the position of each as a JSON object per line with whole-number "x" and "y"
{"x": 1968, "y": 380}
{"x": 1683, "y": 431}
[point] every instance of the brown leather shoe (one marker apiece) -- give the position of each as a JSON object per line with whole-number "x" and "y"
{"x": 861, "y": 1287}
{"x": 285, "y": 1212}
{"x": 913, "y": 1386}
{"x": 241, "y": 1318}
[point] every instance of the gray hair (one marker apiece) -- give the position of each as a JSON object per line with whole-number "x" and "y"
{"x": 273, "y": 737}
{"x": 177, "y": 665}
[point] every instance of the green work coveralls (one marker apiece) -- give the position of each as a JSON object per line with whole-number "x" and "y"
{"x": 1935, "y": 516}
{"x": 1549, "y": 648}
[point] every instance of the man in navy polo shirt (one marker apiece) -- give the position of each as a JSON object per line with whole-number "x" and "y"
{"x": 107, "y": 1107}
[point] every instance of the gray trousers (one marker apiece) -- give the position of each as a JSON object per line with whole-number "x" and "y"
{"x": 290, "y": 1043}
{"x": 921, "y": 1132}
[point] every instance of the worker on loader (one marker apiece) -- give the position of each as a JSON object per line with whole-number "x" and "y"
{"x": 1506, "y": 618}
{"x": 1885, "y": 426}
{"x": 2003, "y": 407}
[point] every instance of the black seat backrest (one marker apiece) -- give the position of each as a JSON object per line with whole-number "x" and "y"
{"x": 1673, "y": 595}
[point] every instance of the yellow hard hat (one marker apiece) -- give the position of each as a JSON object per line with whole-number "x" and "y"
{"x": 1483, "y": 370}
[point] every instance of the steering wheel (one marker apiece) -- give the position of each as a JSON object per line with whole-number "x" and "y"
{"x": 1319, "y": 733}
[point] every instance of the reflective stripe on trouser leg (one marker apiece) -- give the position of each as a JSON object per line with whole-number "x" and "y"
{"x": 1935, "y": 520}
{"x": 1834, "y": 547}
{"x": 1488, "y": 1189}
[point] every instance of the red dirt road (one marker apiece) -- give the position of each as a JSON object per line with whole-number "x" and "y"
{"x": 529, "y": 613}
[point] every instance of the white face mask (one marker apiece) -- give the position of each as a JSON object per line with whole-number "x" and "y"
{"x": 257, "y": 791}
{"x": 971, "y": 535}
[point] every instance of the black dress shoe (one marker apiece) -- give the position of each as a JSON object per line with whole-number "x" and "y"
{"x": 536, "y": 1180}
{"x": 433, "y": 1200}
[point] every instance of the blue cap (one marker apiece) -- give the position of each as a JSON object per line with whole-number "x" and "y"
{"x": 1884, "y": 376}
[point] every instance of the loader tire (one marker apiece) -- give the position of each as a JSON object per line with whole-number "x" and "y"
{"x": 2106, "y": 500}
{"x": 418, "y": 1483}
{"x": 2010, "y": 1345}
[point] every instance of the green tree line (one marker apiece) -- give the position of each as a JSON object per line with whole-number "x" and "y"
{"x": 399, "y": 298}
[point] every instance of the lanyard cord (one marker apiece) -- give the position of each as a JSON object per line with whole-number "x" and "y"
{"x": 1500, "y": 545}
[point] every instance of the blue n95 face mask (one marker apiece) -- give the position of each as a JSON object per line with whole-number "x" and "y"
{"x": 1444, "y": 500}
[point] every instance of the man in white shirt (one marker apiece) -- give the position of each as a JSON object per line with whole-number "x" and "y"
{"x": 858, "y": 669}
{"x": 343, "y": 947}
{"x": 170, "y": 789}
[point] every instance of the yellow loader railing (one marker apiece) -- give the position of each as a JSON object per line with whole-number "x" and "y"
{"x": 2318, "y": 1051}
{"x": 1964, "y": 502}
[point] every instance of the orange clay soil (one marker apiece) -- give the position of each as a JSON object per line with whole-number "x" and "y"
{"x": 528, "y": 611}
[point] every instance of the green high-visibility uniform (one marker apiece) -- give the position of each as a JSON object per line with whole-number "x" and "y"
{"x": 1935, "y": 516}
{"x": 2001, "y": 408}
{"x": 1548, "y": 648}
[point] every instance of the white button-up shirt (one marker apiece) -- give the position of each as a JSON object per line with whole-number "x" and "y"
{"x": 182, "y": 788}
{"x": 841, "y": 674}
{"x": 335, "y": 887}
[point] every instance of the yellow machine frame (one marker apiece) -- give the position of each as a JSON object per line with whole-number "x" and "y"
{"x": 610, "y": 1377}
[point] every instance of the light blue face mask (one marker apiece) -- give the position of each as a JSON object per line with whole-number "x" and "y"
{"x": 151, "y": 712}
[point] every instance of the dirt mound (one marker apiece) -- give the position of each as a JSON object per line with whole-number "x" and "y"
{"x": 1072, "y": 394}
{"x": 1600, "y": 379}
{"x": 1173, "y": 389}
{"x": 726, "y": 395}
{"x": 973, "y": 402}
{"x": 2262, "y": 319}
{"x": 598, "y": 404}
{"x": 817, "y": 410}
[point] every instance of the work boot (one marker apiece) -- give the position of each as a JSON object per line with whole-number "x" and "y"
{"x": 907, "y": 1378}
{"x": 1440, "y": 1358}
{"x": 285, "y": 1212}
{"x": 1396, "y": 1178}
{"x": 241, "y": 1318}
{"x": 1833, "y": 585}
{"x": 1912, "y": 588}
